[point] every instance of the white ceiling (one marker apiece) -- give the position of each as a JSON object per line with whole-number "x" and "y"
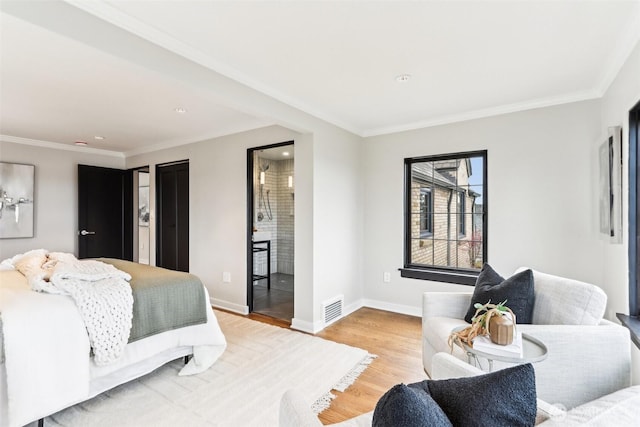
{"x": 335, "y": 60}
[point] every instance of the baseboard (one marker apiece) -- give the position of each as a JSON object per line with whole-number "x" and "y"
{"x": 395, "y": 308}
{"x": 355, "y": 306}
{"x": 226, "y": 305}
{"x": 315, "y": 327}
{"x": 308, "y": 327}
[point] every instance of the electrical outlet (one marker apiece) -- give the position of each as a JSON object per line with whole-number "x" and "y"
{"x": 226, "y": 277}
{"x": 386, "y": 277}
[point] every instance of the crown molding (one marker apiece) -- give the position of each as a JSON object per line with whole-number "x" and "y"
{"x": 486, "y": 112}
{"x": 59, "y": 146}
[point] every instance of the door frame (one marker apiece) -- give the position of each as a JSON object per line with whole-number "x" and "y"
{"x": 250, "y": 201}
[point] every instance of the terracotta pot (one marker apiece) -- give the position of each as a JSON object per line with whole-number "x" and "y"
{"x": 501, "y": 330}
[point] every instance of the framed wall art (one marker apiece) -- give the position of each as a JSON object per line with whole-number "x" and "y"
{"x": 610, "y": 155}
{"x": 16, "y": 200}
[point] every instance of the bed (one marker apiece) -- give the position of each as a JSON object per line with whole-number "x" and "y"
{"x": 47, "y": 362}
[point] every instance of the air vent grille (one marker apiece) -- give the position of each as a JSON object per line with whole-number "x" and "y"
{"x": 332, "y": 309}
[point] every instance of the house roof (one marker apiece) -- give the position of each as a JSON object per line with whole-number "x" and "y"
{"x": 425, "y": 172}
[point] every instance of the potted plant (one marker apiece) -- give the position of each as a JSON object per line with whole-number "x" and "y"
{"x": 495, "y": 320}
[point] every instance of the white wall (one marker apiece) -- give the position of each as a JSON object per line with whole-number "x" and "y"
{"x": 541, "y": 198}
{"x": 623, "y": 94}
{"x": 56, "y": 194}
{"x": 338, "y": 225}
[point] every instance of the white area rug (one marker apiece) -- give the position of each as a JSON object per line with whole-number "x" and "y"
{"x": 243, "y": 388}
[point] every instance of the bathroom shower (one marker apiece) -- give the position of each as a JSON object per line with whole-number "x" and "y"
{"x": 261, "y": 200}
{"x": 271, "y": 227}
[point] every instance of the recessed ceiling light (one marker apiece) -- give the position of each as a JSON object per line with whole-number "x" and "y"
{"x": 180, "y": 110}
{"x": 403, "y": 78}
{"x": 285, "y": 153}
{"x": 81, "y": 143}
{"x": 98, "y": 138}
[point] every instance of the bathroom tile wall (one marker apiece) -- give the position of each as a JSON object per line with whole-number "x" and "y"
{"x": 279, "y": 219}
{"x": 285, "y": 217}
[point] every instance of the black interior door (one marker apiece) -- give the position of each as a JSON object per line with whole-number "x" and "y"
{"x": 172, "y": 241}
{"x": 105, "y": 212}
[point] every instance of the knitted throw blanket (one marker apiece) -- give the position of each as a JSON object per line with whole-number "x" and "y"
{"x": 100, "y": 291}
{"x": 105, "y": 301}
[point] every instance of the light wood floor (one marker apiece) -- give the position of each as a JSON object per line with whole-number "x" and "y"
{"x": 394, "y": 338}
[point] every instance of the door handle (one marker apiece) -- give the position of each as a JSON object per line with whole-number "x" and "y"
{"x": 85, "y": 232}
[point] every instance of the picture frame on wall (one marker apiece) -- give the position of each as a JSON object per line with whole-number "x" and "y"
{"x": 610, "y": 159}
{"x": 16, "y": 200}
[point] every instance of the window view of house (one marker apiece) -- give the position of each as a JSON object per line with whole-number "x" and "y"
{"x": 447, "y": 212}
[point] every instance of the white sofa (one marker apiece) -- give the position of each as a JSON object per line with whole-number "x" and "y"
{"x": 588, "y": 356}
{"x": 620, "y": 408}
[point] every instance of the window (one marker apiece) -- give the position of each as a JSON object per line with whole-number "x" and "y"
{"x": 445, "y": 217}
{"x": 426, "y": 212}
{"x": 462, "y": 203}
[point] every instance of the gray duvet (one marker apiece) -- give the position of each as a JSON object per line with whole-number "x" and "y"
{"x": 162, "y": 299}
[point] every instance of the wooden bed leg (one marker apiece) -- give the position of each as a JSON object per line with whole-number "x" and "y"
{"x": 186, "y": 360}
{"x": 41, "y": 422}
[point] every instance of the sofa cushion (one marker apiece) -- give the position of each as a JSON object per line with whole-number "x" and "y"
{"x": 562, "y": 301}
{"x": 502, "y": 398}
{"x": 517, "y": 291}
{"x": 621, "y": 408}
{"x": 404, "y": 406}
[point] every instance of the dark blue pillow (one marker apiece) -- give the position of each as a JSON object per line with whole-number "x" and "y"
{"x": 408, "y": 406}
{"x": 502, "y": 398}
{"x": 517, "y": 290}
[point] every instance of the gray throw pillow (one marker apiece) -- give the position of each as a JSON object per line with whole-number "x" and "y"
{"x": 502, "y": 398}
{"x": 517, "y": 290}
{"x": 406, "y": 406}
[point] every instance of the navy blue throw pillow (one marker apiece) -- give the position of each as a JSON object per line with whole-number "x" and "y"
{"x": 517, "y": 290}
{"x": 408, "y": 406}
{"x": 502, "y": 398}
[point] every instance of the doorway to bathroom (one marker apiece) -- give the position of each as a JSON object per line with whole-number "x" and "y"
{"x": 270, "y": 230}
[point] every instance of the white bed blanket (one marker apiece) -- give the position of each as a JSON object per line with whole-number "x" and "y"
{"x": 101, "y": 292}
{"x": 46, "y": 350}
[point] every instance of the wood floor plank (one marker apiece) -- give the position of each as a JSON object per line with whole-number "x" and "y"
{"x": 395, "y": 339}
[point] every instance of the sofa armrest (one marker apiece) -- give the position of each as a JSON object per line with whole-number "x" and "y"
{"x": 592, "y": 361}
{"x": 445, "y": 304}
{"x": 445, "y": 365}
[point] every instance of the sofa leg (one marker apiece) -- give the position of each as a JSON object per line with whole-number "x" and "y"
{"x": 41, "y": 422}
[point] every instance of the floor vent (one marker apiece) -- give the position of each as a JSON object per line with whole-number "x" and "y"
{"x": 332, "y": 309}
